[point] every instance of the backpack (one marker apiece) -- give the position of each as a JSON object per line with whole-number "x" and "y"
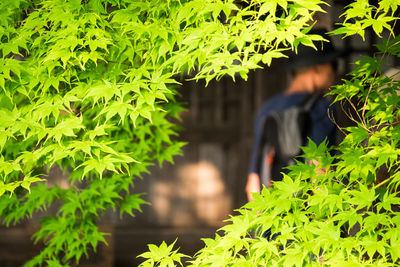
{"x": 284, "y": 132}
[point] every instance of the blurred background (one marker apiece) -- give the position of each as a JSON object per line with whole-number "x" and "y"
{"x": 191, "y": 199}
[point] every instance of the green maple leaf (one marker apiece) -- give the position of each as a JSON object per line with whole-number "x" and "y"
{"x": 130, "y": 203}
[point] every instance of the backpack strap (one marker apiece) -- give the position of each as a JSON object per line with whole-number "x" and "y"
{"x": 309, "y": 101}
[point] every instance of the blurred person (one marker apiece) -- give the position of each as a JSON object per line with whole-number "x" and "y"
{"x": 313, "y": 73}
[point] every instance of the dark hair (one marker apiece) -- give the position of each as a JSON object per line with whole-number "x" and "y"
{"x": 307, "y": 56}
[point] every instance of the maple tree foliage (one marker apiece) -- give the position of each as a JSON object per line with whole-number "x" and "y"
{"x": 345, "y": 211}
{"x": 89, "y": 86}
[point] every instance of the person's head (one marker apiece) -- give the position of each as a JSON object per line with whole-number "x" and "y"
{"x": 313, "y": 70}
{"x": 316, "y": 78}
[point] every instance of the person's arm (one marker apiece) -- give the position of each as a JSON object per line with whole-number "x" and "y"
{"x": 322, "y": 127}
{"x": 253, "y": 179}
{"x": 253, "y": 185}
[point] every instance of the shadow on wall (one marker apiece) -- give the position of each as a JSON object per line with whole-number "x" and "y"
{"x": 197, "y": 196}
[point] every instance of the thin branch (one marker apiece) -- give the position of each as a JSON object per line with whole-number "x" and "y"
{"x": 375, "y": 74}
{"x": 383, "y": 182}
{"x": 332, "y": 119}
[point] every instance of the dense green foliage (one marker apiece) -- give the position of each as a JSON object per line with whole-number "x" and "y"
{"x": 89, "y": 86}
{"x": 346, "y": 210}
